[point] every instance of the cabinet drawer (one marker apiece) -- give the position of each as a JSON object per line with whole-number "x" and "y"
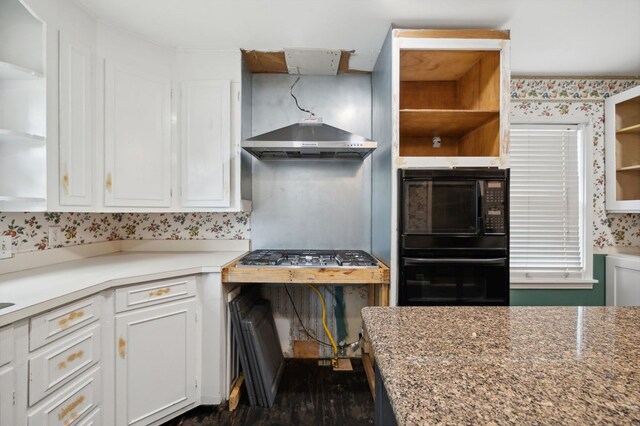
{"x": 6, "y": 345}
{"x": 59, "y": 322}
{"x": 68, "y": 405}
{"x": 61, "y": 361}
{"x": 93, "y": 419}
{"x": 155, "y": 292}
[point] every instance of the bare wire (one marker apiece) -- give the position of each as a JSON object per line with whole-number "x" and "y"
{"x": 296, "y": 99}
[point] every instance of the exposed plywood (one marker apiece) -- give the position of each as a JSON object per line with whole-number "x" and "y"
{"x": 627, "y": 151}
{"x": 422, "y": 146}
{"x": 233, "y": 274}
{"x": 265, "y": 62}
{"x": 482, "y": 142}
{"x": 452, "y": 123}
{"x": 627, "y": 185}
{"x": 470, "y": 33}
{"x": 428, "y": 95}
{"x": 276, "y": 63}
{"x": 306, "y": 349}
{"x": 436, "y": 65}
{"x": 489, "y": 82}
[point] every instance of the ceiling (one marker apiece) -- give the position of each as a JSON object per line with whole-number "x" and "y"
{"x": 549, "y": 37}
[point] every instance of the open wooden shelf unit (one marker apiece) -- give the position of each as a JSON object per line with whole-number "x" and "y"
{"x": 627, "y": 149}
{"x": 453, "y": 95}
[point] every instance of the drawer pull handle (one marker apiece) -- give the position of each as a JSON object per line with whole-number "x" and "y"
{"x": 69, "y": 408}
{"x": 160, "y": 292}
{"x": 64, "y": 322}
{"x": 70, "y": 358}
{"x": 122, "y": 347}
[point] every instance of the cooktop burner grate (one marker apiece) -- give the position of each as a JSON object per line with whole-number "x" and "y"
{"x": 309, "y": 258}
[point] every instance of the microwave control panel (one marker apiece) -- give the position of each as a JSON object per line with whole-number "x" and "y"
{"x": 494, "y": 211}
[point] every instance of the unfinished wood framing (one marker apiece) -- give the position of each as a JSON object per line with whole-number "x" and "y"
{"x": 233, "y": 274}
{"x": 467, "y": 33}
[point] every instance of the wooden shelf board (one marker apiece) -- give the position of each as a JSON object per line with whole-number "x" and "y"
{"x": 629, "y": 168}
{"x": 629, "y": 130}
{"x": 437, "y": 65}
{"x": 10, "y": 71}
{"x": 12, "y": 136}
{"x": 454, "y": 123}
{"x": 449, "y": 33}
{"x": 266, "y": 275}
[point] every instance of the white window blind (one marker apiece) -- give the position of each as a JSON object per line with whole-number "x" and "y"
{"x": 546, "y": 201}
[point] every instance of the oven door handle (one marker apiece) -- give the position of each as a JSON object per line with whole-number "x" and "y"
{"x": 418, "y": 261}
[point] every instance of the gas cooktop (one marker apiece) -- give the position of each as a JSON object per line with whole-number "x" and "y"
{"x": 308, "y": 259}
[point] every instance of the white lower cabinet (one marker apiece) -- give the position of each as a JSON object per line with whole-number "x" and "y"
{"x": 623, "y": 280}
{"x": 156, "y": 357}
{"x": 130, "y": 356}
{"x": 7, "y": 398}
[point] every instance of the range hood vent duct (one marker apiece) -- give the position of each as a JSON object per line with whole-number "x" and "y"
{"x": 309, "y": 141}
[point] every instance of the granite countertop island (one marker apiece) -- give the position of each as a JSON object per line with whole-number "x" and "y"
{"x": 508, "y": 365}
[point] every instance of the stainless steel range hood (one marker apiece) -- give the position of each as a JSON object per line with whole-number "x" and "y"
{"x": 309, "y": 141}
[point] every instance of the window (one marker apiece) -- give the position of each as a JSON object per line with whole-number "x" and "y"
{"x": 547, "y": 215}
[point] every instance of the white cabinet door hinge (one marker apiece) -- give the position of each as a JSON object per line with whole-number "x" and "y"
{"x": 196, "y": 384}
{"x": 14, "y": 397}
{"x": 196, "y": 316}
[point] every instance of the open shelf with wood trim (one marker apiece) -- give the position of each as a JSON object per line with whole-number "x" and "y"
{"x": 453, "y": 95}
{"x": 622, "y": 150}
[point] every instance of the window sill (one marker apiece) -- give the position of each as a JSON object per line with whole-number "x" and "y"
{"x": 552, "y": 284}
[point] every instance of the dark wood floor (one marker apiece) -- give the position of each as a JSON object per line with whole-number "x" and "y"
{"x": 308, "y": 395}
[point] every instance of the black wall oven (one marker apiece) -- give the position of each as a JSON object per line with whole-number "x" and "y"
{"x": 454, "y": 237}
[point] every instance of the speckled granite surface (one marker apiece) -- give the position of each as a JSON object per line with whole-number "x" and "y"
{"x": 509, "y": 365}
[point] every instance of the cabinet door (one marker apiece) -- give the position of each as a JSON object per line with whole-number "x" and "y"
{"x": 155, "y": 362}
{"x": 623, "y": 281}
{"x": 76, "y": 122}
{"x": 206, "y": 142}
{"x": 7, "y": 390}
{"x": 137, "y": 138}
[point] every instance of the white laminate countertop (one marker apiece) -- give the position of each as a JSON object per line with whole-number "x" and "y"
{"x": 39, "y": 289}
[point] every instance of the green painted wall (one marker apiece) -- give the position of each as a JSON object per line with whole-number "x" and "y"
{"x": 593, "y": 297}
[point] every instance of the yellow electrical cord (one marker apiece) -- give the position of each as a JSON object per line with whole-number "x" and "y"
{"x": 334, "y": 361}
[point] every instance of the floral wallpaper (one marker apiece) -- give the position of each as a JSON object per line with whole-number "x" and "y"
{"x": 29, "y": 230}
{"x": 582, "y": 99}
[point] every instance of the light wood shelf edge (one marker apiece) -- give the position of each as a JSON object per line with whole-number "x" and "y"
{"x": 629, "y": 130}
{"x": 629, "y": 168}
{"x": 453, "y": 33}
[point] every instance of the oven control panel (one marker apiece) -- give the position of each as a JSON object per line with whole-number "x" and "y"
{"x": 494, "y": 207}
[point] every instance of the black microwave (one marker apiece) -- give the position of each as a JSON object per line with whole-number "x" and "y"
{"x": 454, "y": 208}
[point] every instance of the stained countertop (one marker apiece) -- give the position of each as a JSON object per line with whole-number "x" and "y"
{"x": 508, "y": 365}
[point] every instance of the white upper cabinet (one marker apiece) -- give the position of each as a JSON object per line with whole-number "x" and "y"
{"x": 137, "y": 132}
{"x": 76, "y": 117}
{"x": 23, "y": 183}
{"x": 622, "y": 151}
{"x": 205, "y": 143}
